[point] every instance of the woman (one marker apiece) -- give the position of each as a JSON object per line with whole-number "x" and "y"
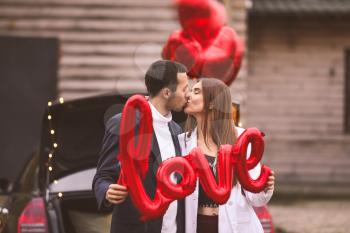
{"x": 210, "y": 125}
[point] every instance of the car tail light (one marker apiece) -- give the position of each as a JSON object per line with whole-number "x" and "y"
{"x": 33, "y": 218}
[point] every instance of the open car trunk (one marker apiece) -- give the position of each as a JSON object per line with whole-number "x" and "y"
{"x": 79, "y": 128}
{"x": 67, "y": 168}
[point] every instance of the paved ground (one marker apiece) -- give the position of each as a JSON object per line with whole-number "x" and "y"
{"x": 311, "y": 216}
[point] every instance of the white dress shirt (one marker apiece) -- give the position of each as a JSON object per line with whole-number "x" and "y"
{"x": 167, "y": 150}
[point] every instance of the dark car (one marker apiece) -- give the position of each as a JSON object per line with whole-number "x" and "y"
{"x": 53, "y": 193}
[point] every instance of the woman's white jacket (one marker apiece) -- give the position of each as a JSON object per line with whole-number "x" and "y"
{"x": 237, "y": 215}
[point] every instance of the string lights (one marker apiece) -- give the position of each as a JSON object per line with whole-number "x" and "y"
{"x": 54, "y": 144}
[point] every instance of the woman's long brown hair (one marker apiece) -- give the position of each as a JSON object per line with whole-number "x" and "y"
{"x": 217, "y": 111}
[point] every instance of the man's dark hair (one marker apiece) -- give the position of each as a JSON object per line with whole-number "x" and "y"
{"x": 163, "y": 73}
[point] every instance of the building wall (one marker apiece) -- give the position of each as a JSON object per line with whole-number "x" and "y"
{"x": 295, "y": 94}
{"x": 106, "y": 45}
{"x": 238, "y": 20}
{"x": 291, "y": 84}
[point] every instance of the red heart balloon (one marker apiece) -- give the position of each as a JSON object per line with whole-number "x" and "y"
{"x": 201, "y": 19}
{"x": 221, "y": 60}
{"x": 181, "y": 47}
{"x": 205, "y": 46}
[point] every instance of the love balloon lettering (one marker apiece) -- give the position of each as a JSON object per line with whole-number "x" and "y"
{"x": 232, "y": 161}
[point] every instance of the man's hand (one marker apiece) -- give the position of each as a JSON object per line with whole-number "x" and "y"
{"x": 116, "y": 193}
{"x": 270, "y": 182}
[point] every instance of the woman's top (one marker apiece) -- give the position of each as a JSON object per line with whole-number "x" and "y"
{"x": 203, "y": 199}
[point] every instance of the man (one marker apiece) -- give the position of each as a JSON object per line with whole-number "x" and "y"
{"x": 167, "y": 85}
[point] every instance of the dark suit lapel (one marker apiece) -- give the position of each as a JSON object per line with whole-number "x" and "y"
{"x": 155, "y": 153}
{"x": 156, "y": 150}
{"x": 175, "y": 140}
{"x": 180, "y": 217}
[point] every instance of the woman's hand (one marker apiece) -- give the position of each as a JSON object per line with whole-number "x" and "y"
{"x": 270, "y": 182}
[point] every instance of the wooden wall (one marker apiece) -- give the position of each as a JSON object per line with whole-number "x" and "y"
{"x": 296, "y": 95}
{"x": 105, "y": 44}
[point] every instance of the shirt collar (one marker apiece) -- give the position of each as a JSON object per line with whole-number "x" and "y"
{"x": 158, "y": 117}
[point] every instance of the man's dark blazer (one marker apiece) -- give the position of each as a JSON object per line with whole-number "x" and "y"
{"x": 125, "y": 217}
